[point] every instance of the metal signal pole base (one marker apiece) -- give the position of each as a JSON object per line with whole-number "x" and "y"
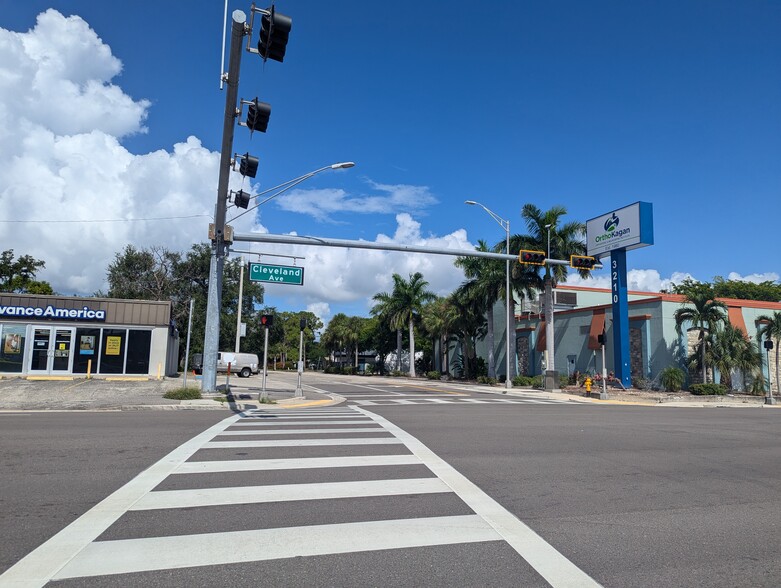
{"x": 770, "y": 400}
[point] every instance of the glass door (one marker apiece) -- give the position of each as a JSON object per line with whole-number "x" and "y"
{"x": 51, "y": 350}
{"x": 62, "y": 357}
{"x": 39, "y": 357}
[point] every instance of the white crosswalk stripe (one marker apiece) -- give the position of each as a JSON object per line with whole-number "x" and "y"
{"x": 454, "y": 401}
{"x": 77, "y": 552}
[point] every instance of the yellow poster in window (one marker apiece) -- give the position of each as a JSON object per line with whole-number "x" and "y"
{"x": 113, "y": 345}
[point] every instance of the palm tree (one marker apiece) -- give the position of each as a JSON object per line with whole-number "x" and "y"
{"x": 438, "y": 318}
{"x": 565, "y": 239}
{"x": 771, "y": 329}
{"x": 730, "y": 350}
{"x": 468, "y": 326}
{"x": 486, "y": 280}
{"x": 404, "y": 304}
{"x": 704, "y": 313}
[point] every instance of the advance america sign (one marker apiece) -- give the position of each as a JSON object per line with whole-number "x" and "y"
{"x": 630, "y": 227}
{"x": 52, "y": 312}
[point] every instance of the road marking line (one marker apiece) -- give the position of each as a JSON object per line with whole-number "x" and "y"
{"x": 275, "y": 417}
{"x": 169, "y": 499}
{"x": 40, "y": 565}
{"x": 300, "y": 443}
{"x": 305, "y": 463}
{"x": 258, "y": 424}
{"x": 140, "y": 555}
{"x": 557, "y": 570}
{"x": 305, "y": 431}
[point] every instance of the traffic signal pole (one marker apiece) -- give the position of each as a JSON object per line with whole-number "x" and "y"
{"x": 211, "y": 339}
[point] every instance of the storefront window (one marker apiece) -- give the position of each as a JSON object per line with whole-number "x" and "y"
{"x": 12, "y": 348}
{"x": 87, "y": 347}
{"x": 112, "y": 351}
{"x": 138, "y": 347}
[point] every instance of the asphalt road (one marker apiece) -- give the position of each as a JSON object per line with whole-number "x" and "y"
{"x": 629, "y": 496}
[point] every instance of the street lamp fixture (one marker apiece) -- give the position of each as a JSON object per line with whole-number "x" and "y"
{"x": 505, "y": 224}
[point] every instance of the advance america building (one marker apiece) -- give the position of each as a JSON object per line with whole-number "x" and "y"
{"x": 62, "y": 335}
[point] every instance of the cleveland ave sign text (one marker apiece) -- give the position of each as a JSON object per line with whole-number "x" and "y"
{"x": 280, "y": 274}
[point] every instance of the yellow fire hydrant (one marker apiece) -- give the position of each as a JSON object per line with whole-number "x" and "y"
{"x": 587, "y": 383}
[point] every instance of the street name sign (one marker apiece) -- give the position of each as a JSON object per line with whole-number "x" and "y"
{"x": 278, "y": 274}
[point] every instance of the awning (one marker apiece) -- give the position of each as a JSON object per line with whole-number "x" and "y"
{"x": 596, "y": 329}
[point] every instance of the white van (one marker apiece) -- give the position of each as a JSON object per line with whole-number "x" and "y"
{"x": 243, "y": 364}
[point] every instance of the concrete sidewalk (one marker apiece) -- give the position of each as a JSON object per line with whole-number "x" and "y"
{"x": 140, "y": 393}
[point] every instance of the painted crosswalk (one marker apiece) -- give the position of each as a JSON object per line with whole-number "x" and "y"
{"x": 451, "y": 401}
{"x": 308, "y": 459}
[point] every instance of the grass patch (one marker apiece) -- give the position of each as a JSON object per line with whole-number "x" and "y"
{"x": 267, "y": 400}
{"x": 183, "y": 394}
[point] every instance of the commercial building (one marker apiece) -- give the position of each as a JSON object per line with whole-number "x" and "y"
{"x": 582, "y": 314}
{"x": 62, "y": 335}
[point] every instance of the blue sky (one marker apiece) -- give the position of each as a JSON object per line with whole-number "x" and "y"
{"x": 589, "y": 105}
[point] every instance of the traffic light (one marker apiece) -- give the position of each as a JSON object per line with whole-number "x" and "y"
{"x": 302, "y": 323}
{"x": 241, "y": 199}
{"x": 582, "y": 262}
{"x": 266, "y": 320}
{"x": 248, "y": 165}
{"x": 601, "y": 338}
{"x": 274, "y": 32}
{"x": 258, "y": 114}
{"x": 531, "y": 257}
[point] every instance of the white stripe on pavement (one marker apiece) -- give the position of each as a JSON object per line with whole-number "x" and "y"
{"x": 541, "y": 555}
{"x": 38, "y": 567}
{"x": 363, "y": 421}
{"x": 287, "y": 493}
{"x": 301, "y": 443}
{"x": 305, "y": 431}
{"x": 139, "y": 555}
{"x": 245, "y": 465}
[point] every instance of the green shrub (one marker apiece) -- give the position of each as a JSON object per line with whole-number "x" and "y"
{"x": 672, "y": 378}
{"x": 538, "y": 382}
{"x": 523, "y": 381}
{"x": 397, "y": 374}
{"x": 708, "y": 389}
{"x": 486, "y": 380}
{"x": 183, "y": 394}
{"x": 433, "y": 375}
{"x": 639, "y": 383}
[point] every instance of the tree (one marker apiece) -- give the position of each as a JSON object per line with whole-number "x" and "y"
{"x": 405, "y": 304}
{"x": 159, "y": 274}
{"x": 565, "y": 239}
{"x": 704, "y": 313}
{"x": 438, "y": 319}
{"x": 730, "y": 350}
{"x": 771, "y": 329}
{"x": 468, "y": 327}
{"x": 19, "y": 275}
{"x": 486, "y": 280}
{"x": 766, "y": 291}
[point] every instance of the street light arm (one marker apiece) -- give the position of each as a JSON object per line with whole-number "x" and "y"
{"x": 505, "y": 224}
{"x": 290, "y": 184}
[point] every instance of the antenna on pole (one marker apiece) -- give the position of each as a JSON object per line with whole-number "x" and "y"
{"x": 222, "y": 57}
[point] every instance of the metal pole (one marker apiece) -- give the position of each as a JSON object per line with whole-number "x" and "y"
{"x": 769, "y": 377}
{"x": 508, "y": 383}
{"x": 238, "y": 313}
{"x": 187, "y": 347}
{"x": 551, "y": 380}
{"x": 211, "y": 339}
{"x": 263, "y": 394}
{"x": 300, "y": 367}
{"x": 604, "y": 375}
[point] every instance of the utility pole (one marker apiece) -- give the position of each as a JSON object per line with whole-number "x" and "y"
{"x": 217, "y": 263}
